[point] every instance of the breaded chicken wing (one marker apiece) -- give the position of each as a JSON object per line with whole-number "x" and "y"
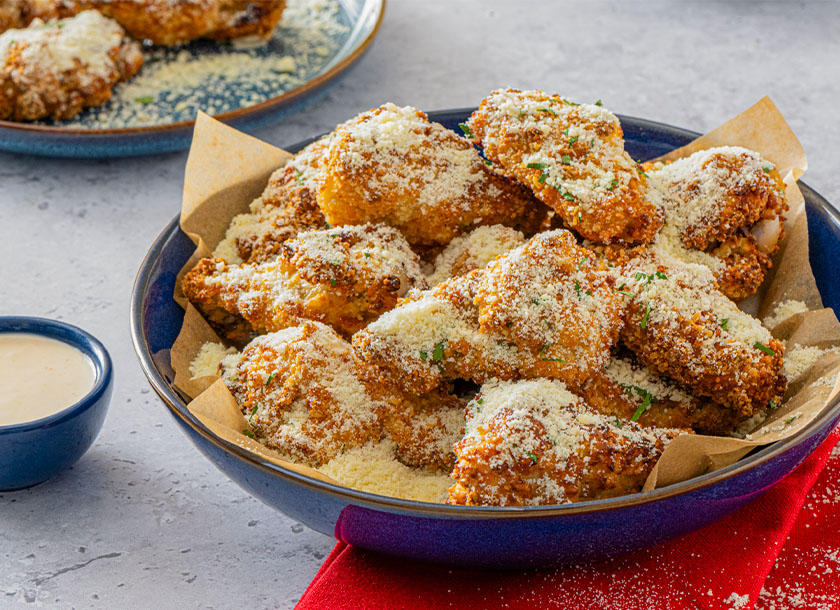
{"x": 680, "y": 325}
{"x": 299, "y": 390}
{"x": 628, "y": 391}
{"x": 535, "y": 443}
{"x": 572, "y": 157}
{"x": 57, "y": 69}
{"x": 173, "y": 22}
{"x": 345, "y": 277}
{"x": 727, "y": 202}
{"x": 286, "y": 207}
{"x": 392, "y": 165}
{"x": 542, "y": 310}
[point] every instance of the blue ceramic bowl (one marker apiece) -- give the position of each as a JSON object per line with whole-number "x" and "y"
{"x": 483, "y": 537}
{"x": 34, "y": 451}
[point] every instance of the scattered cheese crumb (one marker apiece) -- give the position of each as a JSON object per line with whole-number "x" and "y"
{"x": 783, "y": 311}
{"x": 206, "y": 362}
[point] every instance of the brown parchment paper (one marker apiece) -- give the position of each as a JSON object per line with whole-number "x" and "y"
{"x": 227, "y": 169}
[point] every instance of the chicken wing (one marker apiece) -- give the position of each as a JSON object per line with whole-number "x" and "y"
{"x": 572, "y": 157}
{"x": 392, "y": 165}
{"x": 680, "y": 325}
{"x": 345, "y": 277}
{"x": 544, "y": 309}
{"x": 474, "y": 250}
{"x": 57, "y": 69}
{"x": 535, "y": 443}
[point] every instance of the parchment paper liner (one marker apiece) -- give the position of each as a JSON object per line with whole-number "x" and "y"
{"x": 227, "y": 169}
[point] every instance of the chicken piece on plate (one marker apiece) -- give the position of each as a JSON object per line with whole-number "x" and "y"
{"x": 572, "y": 157}
{"x": 393, "y": 165}
{"x": 14, "y": 14}
{"x": 299, "y": 390}
{"x": 286, "y": 207}
{"x": 474, "y": 250}
{"x": 344, "y": 277}
{"x": 535, "y": 443}
{"x": 57, "y": 69}
{"x": 629, "y": 391}
{"x": 727, "y": 202}
{"x": 544, "y": 309}
{"x": 174, "y": 22}
{"x": 681, "y": 326}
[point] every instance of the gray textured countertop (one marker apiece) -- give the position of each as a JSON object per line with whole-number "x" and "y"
{"x": 143, "y": 520}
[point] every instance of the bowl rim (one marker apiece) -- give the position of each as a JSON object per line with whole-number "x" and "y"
{"x": 278, "y": 101}
{"x": 76, "y": 337}
{"x": 429, "y": 509}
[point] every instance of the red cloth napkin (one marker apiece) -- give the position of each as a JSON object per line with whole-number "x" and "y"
{"x": 780, "y": 552}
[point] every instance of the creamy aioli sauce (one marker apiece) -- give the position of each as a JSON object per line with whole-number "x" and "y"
{"x": 40, "y": 376}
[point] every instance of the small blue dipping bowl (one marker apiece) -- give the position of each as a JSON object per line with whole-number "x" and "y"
{"x": 32, "y": 452}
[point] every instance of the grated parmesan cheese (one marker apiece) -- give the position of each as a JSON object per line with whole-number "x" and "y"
{"x": 207, "y": 360}
{"x": 373, "y": 468}
{"x": 783, "y": 311}
{"x": 474, "y": 250}
{"x": 800, "y": 358}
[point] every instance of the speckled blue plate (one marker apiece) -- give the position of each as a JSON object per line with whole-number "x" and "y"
{"x": 117, "y": 129}
{"x": 487, "y": 537}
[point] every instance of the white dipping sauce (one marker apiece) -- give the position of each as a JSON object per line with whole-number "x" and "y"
{"x": 40, "y": 376}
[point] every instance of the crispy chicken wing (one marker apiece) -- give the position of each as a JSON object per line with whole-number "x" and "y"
{"x": 572, "y": 157}
{"x": 392, "y": 165}
{"x": 474, "y": 250}
{"x": 544, "y": 309}
{"x": 57, "y": 69}
{"x": 345, "y": 277}
{"x": 680, "y": 325}
{"x": 534, "y": 443}
{"x": 173, "y": 22}
{"x": 725, "y": 203}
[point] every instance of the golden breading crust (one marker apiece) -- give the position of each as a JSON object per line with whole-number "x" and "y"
{"x": 13, "y": 14}
{"x": 534, "y": 443}
{"x": 299, "y": 390}
{"x": 286, "y": 208}
{"x": 572, "y": 157}
{"x": 304, "y": 396}
{"x": 173, "y": 22}
{"x": 628, "y": 391}
{"x": 679, "y": 325}
{"x": 541, "y": 310}
{"x": 744, "y": 266}
{"x": 57, "y": 69}
{"x": 345, "y": 277}
{"x": 474, "y": 250}
{"x": 392, "y": 165}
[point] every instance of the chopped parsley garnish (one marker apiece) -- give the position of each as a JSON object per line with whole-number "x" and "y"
{"x": 577, "y": 289}
{"x": 298, "y": 178}
{"x": 647, "y": 400}
{"x": 618, "y": 423}
{"x": 466, "y": 129}
{"x": 566, "y": 160}
{"x": 566, "y": 131}
{"x": 537, "y": 165}
{"x": 772, "y": 405}
{"x": 766, "y": 170}
{"x": 570, "y": 103}
{"x": 542, "y": 351}
{"x": 480, "y": 401}
{"x": 487, "y": 162}
{"x": 790, "y": 419}
{"x": 643, "y": 323}
{"x": 144, "y": 99}
{"x": 535, "y": 300}
{"x": 613, "y": 184}
{"x": 580, "y": 262}
{"x": 332, "y": 282}
{"x": 253, "y": 411}
{"x": 599, "y": 103}
{"x": 367, "y": 254}
{"x": 724, "y": 323}
{"x": 327, "y": 225}
{"x": 267, "y": 381}
{"x": 764, "y": 348}
{"x": 437, "y": 355}
{"x": 532, "y": 456}
{"x": 641, "y": 172}
{"x": 542, "y": 178}
{"x": 569, "y": 197}
{"x": 661, "y": 275}
{"x": 248, "y": 433}
{"x": 423, "y": 355}
{"x": 548, "y": 110}
{"x": 521, "y": 114}
{"x": 624, "y": 292}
